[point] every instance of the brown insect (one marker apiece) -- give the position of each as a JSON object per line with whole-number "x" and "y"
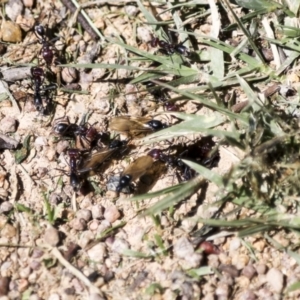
{"x": 134, "y": 171}
{"x": 135, "y": 126}
{"x": 94, "y": 160}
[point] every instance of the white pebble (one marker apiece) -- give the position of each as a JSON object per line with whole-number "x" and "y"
{"x": 183, "y": 248}
{"x": 275, "y": 280}
{"x": 235, "y": 244}
{"x": 120, "y": 245}
{"x": 97, "y": 253}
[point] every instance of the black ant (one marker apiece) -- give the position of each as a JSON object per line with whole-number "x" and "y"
{"x": 161, "y": 95}
{"x": 134, "y": 171}
{"x": 75, "y": 181}
{"x": 46, "y": 51}
{"x": 38, "y": 77}
{"x": 85, "y": 135}
{"x": 169, "y": 48}
{"x": 199, "y": 152}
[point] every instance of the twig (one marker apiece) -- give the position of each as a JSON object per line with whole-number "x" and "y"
{"x": 83, "y": 19}
{"x": 93, "y": 289}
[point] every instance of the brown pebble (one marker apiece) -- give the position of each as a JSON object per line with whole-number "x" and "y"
{"x": 10, "y": 32}
{"x": 261, "y": 268}
{"x": 84, "y": 214}
{"x": 249, "y": 271}
{"x": 51, "y": 236}
{"x": 112, "y": 214}
{"x": 35, "y": 265}
{"x": 230, "y": 269}
{"x": 23, "y": 285}
{"x": 71, "y": 251}
{"x": 4, "y": 282}
{"x": 8, "y": 231}
{"x": 37, "y": 253}
{"x": 78, "y": 224}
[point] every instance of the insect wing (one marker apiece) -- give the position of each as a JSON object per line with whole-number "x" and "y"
{"x": 94, "y": 160}
{"x": 139, "y": 167}
{"x": 132, "y": 126}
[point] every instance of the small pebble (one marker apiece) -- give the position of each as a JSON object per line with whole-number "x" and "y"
{"x": 6, "y": 206}
{"x": 222, "y": 290}
{"x": 131, "y": 10}
{"x": 249, "y": 271}
{"x": 84, "y": 214}
{"x": 78, "y": 224}
{"x": 183, "y": 248}
{"x": 62, "y": 146}
{"x": 22, "y": 285}
{"x": 10, "y": 32}
{"x": 144, "y": 34}
{"x": 40, "y": 141}
{"x": 97, "y": 253}
{"x": 8, "y": 231}
{"x": 35, "y": 265}
{"x": 54, "y": 296}
{"x": 112, "y": 214}
{"x": 37, "y": 253}
{"x": 230, "y": 269}
{"x": 235, "y": 244}
{"x": 28, "y": 3}
{"x": 51, "y": 236}
{"x": 94, "y": 225}
{"x": 4, "y": 283}
{"x": 275, "y": 280}
{"x": 69, "y": 75}
{"x": 261, "y": 268}
{"x": 25, "y": 272}
{"x": 85, "y": 238}
{"x": 247, "y": 295}
{"x": 119, "y": 245}
{"x": 13, "y": 8}
{"x": 97, "y": 211}
{"x": 240, "y": 260}
{"x": 8, "y": 124}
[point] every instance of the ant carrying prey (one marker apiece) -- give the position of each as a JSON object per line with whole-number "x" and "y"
{"x": 86, "y": 135}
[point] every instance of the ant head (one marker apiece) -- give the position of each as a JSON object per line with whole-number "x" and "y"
{"x": 124, "y": 182}
{"x": 75, "y": 182}
{"x": 117, "y": 144}
{"x": 155, "y": 153}
{"x": 73, "y": 153}
{"x": 36, "y": 72}
{"x": 156, "y": 125}
{"x": 40, "y": 30}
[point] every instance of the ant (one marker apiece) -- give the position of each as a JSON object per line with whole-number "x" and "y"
{"x": 46, "y": 51}
{"x": 134, "y": 171}
{"x": 199, "y": 152}
{"x": 84, "y": 134}
{"x": 160, "y": 95}
{"x": 169, "y": 48}
{"x": 38, "y": 77}
{"x": 75, "y": 181}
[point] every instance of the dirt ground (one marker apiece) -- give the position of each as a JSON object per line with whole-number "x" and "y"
{"x": 57, "y": 243}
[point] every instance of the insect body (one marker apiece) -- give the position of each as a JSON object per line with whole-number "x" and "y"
{"x": 134, "y": 171}
{"x": 41, "y": 97}
{"x": 135, "y": 126}
{"x": 169, "y": 48}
